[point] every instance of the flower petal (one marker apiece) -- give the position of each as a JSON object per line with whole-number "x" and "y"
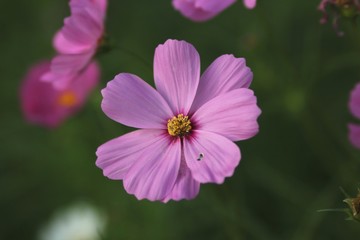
{"x": 116, "y": 156}
{"x": 186, "y": 187}
{"x": 250, "y": 4}
{"x": 226, "y": 73}
{"x": 64, "y": 45}
{"x": 154, "y": 174}
{"x": 354, "y": 102}
{"x": 131, "y": 101}
{"x": 201, "y": 10}
{"x": 232, "y": 115}
{"x": 177, "y": 73}
{"x": 210, "y": 157}
{"x": 81, "y": 30}
{"x": 87, "y": 80}
{"x": 64, "y": 68}
{"x": 354, "y": 135}
{"x": 102, "y": 4}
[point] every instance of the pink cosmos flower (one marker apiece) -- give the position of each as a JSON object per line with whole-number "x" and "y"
{"x": 354, "y": 105}
{"x": 77, "y": 41}
{"x": 42, "y": 104}
{"x": 203, "y": 10}
{"x": 188, "y": 124}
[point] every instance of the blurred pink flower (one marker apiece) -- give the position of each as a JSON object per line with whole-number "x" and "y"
{"x": 188, "y": 124}
{"x": 42, "y": 104}
{"x": 354, "y": 105}
{"x": 203, "y": 10}
{"x": 77, "y": 41}
{"x": 250, "y": 4}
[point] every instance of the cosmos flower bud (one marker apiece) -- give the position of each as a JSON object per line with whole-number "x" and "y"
{"x": 354, "y": 205}
{"x": 346, "y": 9}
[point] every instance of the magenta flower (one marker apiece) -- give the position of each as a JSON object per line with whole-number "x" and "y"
{"x": 354, "y": 105}
{"x": 77, "y": 41}
{"x": 188, "y": 124}
{"x": 42, "y": 104}
{"x": 203, "y": 10}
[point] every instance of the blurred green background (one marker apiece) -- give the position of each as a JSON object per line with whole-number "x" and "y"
{"x": 303, "y": 74}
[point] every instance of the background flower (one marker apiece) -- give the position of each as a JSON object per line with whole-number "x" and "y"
{"x": 203, "y": 10}
{"x": 45, "y": 105}
{"x": 78, "y": 222}
{"x": 77, "y": 42}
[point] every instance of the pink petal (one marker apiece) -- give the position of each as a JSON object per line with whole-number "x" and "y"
{"x": 79, "y": 5}
{"x": 86, "y": 81}
{"x": 131, "y": 101}
{"x": 64, "y": 45}
{"x": 98, "y": 11}
{"x": 233, "y": 115}
{"x": 64, "y": 68}
{"x": 226, "y": 73}
{"x": 80, "y": 31}
{"x": 250, "y": 4}
{"x": 354, "y": 102}
{"x": 201, "y": 10}
{"x": 102, "y": 4}
{"x": 186, "y": 187}
{"x": 354, "y": 135}
{"x": 154, "y": 174}
{"x": 219, "y": 157}
{"x": 176, "y": 73}
{"x": 118, "y": 155}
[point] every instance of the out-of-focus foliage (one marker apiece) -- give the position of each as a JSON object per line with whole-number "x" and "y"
{"x": 303, "y": 74}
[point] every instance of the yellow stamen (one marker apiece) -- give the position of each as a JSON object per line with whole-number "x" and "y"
{"x": 67, "y": 99}
{"x": 179, "y": 125}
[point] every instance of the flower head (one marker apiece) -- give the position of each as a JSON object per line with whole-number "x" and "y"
{"x": 354, "y": 205}
{"x": 349, "y": 9}
{"x": 79, "y": 222}
{"x": 77, "y": 42}
{"x": 45, "y": 105}
{"x": 188, "y": 124}
{"x": 203, "y": 10}
{"x": 354, "y": 106}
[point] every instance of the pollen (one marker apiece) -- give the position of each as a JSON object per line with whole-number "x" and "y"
{"x": 179, "y": 125}
{"x": 67, "y": 99}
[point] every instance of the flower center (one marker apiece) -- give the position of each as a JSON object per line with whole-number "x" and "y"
{"x": 67, "y": 99}
{"x": 179, "y": 125}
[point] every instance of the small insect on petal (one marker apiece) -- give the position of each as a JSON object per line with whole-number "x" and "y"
{"x": 201, "y": 156}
